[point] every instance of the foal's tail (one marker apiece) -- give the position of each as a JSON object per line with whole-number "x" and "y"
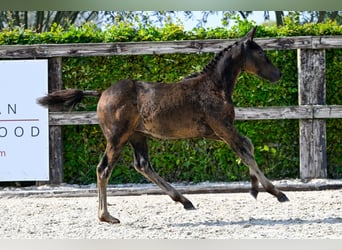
{"x": 66, "y": 98}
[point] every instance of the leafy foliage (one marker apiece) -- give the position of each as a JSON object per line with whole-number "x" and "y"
{"x": 195, "y": 160}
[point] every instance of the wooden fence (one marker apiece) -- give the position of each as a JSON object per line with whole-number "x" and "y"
{"x": 311, "y": 111}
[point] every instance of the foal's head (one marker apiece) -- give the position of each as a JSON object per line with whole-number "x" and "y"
{"x": 257, "y": 62}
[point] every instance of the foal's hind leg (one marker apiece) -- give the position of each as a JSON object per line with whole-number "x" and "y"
{"x": 142, "y": 165}
{"x": 104, "y": 170}
{"x": 115, "y": 143}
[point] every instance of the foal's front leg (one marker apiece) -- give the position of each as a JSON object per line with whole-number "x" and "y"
{"x": 243, "y": 147}
{"x": 254, "y": 180}
{"x": 255, "y": 186}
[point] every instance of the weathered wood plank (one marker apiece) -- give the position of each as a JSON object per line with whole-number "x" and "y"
{"x": 165, "y": 47}
{"x": 331, "y": 42}
{"x": 312, "y": 133}
{"x": 271, "y": 113}
{"x": 55, "y": 132}
{"x": 73, "y": 118}
{"x": 311, "y": 87}
{"x": 256, "y": 113}
{"x": 327, "y": 111}
{"x": 151, "y": 189}
{"x": 312, "y": 149}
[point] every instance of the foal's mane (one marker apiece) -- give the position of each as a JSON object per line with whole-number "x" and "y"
{"x": 213, "y": 63}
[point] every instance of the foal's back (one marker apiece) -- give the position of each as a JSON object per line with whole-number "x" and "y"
{"x": 160, "y": 110}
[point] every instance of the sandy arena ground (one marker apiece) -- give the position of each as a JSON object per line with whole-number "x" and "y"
{"x": 309, "y": 214}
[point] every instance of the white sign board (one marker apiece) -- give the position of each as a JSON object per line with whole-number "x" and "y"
{"x": 24, "y": 131}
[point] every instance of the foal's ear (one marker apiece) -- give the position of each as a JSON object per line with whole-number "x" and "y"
{"x": 250, "y": 35}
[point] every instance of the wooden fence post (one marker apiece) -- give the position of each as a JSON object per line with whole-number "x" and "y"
{"x": 55, "y": 132}
{"x": 312, "y": 132}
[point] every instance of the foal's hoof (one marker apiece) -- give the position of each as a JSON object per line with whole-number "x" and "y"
{"x": 282, "y": 197}
{"x": 188, "y": 206}
{"x": 254, "y": 193}
{"x": 108, "y": 218}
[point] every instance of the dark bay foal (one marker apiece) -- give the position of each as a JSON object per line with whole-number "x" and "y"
{"x": 199, "y": 106}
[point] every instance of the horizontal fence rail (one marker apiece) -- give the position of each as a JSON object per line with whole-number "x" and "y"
{"x": 311, "y": 111}
{"x": 256, "y": 113}
{"x": 151, "y": 48}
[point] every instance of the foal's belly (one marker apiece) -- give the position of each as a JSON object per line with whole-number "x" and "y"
{"x": 175, "y": 128}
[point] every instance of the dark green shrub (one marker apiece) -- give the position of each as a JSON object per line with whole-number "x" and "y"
{"x": 197, "y": 160}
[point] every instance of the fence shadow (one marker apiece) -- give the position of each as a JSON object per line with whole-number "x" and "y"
{"x": 262, "y": 222}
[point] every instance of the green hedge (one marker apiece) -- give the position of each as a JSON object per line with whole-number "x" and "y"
{"x": 276, "y": 142}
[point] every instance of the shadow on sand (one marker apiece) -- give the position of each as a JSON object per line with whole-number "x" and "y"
{"x": 262, "y": 222}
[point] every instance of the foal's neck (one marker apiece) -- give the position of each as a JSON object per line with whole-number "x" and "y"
{"x": 227, "y": 72}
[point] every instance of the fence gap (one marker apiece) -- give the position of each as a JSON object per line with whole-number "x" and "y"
{"x": 312, "y": 132}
